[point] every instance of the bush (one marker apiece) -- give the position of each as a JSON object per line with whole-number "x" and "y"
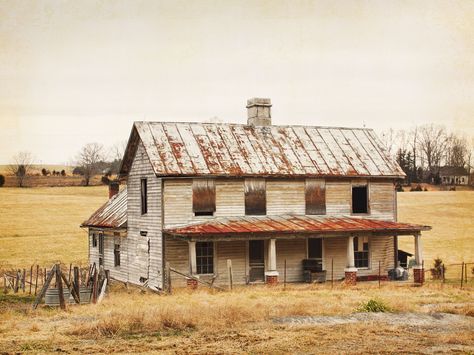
{"x": 45, "y": 172}
{"x": 105, "y": 180}
{"x": 2, "y": 180}
{"x": 78, "y": 170}
{"x": 437, "y": 270}
{"x": 417, "y": 188}
{"x": 374, "y": 305}
{"x": 63, "y": 172}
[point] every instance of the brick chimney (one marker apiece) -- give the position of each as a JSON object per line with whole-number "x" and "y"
{"x": 113, "y": 188}
{"x": 259, "y": 112}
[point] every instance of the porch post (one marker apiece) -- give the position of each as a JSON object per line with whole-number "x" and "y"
{"x": 350, "y": 271}
{"x": 271, "y": 275}
{"x": 192, "y": 283}
{"x": 418, "y": 271}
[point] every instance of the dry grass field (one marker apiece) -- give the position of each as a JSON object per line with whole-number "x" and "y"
{"x": 249, "y": 320}
{"x": 41, "y": 225}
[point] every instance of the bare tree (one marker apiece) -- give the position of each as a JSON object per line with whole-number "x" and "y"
{"x": 89, "y": 158}
{"x": 457, "y": 151}
{"x": 432, "y": 143}
{"x": 21, "y": 166}
{"x": 116, "y": 155}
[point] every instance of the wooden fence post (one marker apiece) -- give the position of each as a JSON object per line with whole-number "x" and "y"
{"x": 36, "y": 280}
{"x": 59, "y": 284}
{"x": 379, "y": 273}
{"x": 70, "y": 271}
{"x": 23, "y": 280}
{"x": 442, "y": 274}
{"x": 332, "y": 273}
{"x": 76, "y": 283}
{"x": 5, "y": 284}
{"x": 94, "y": 287}
{"x": 462, "y": 273}
{"x": 229, "y": 273}
{"x": 284, "y": 276}
{"x": 45, "y": 287}
{"x": 17, "y": 281}
{"x": 168, "y": 277}
{"x": 31, "y": 277}
{"x": 465, "y": 273}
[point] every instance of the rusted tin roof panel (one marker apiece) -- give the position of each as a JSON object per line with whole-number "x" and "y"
{"x": 113, "y": 214}
{"x": 292, "y": 224}
{"x": 199, "y": 149}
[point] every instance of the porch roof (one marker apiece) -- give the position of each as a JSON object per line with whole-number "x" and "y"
{"x": 291, "y": 224}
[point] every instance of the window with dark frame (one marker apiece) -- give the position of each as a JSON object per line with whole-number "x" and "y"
{"x": 94, "y": 240}
{"x": 361, "y": 252}
{"x": 117, "y": 254}
{"x": 144, "y": 195}
{"x": 205, "y": 257}
{"x": 360, "y": 200}
{"x": 204, "y": 197}
{"x": 315, "y": 196}
{"x": 255, "y": 196}
{"x": 101, "y": 249}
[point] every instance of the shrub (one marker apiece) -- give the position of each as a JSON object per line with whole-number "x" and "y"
{"x": 78, "y": 170}
{"x": 437, "y": 270}
{"x": 2, "y": 180}
{"x": 63, "y": 172}
{"x": 374, "y": 305}
{"x": 105, "y": 180}
{"x": 399, "y": 187}
{"x": 45, "y": 172}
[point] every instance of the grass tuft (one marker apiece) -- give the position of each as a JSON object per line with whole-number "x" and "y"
{"x": 374, "y": 305}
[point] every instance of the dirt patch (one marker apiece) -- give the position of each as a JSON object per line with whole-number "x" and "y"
{"x": 405, "y": 319}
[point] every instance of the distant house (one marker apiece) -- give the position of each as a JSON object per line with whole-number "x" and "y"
{"x": 451, "y": 175}
{"x": 260, "y": 195}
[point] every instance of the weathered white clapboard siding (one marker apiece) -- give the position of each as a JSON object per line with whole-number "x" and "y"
{"x": 117, "y": 272}
{"x": 380, "y": 249}
{"x": 294, "y": 251}
{"x": 177, "y": 255}
{"x": 144, "y": 261}
{"x": 285, "y": 197}
{"x": 382, "y": 200}
{"x": 237, "y": 252}
{"x": 338, "y": 197}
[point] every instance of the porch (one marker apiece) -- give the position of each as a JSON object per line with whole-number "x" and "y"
{"x": 259, "y": 247}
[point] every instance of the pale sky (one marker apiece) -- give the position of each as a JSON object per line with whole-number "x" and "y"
{"x": 73, "y": 72}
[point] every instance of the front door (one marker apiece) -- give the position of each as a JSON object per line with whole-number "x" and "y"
{"x": 256, "y": 260}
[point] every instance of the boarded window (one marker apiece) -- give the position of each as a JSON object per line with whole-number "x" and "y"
{"x": 94, "y": 240}
{"x": 315, "y": 248}
{"x": 255, "y": 197}
{"x": 144, "y": 195}
{"x": 117, "y": 254}
{"x": 204, "y": 197}
{"x": 205, "y": 257}
{"x": 315, "y": 196}
{"x": 360, "y": 200}
{"x": 361, "y": 251}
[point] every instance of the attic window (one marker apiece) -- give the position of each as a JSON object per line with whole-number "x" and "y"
{"x": 360, "y": 200}
{"x": 315, "y": 196}
{"x": 255, "y": 197}
{"x": 204, "y": 197}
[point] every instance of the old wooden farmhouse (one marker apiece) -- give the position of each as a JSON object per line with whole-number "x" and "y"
{"x": 260, "y": 195}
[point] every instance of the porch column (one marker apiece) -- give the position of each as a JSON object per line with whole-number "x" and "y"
{"x": 350, "y": 271}
{"x": 418, "y": 271}
{"x": 271, "y": 275}
{"x": 192, "y": 283}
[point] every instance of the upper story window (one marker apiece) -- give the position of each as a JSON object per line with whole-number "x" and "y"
{"x": 204, "y": 197}
{"x": 255, "y": 196}
{"x": 315, "y": 196}
{"x": 144, "y": 196}
{"x": 360, "y": 199}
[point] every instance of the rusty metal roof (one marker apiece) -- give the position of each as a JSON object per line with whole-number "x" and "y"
{"x": 217, "y": 149}
{"x": 113, "y": 214}
{"x": 291, "y": 224}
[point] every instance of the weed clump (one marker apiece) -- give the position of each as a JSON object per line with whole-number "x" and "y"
{"x": 374, "y": 305}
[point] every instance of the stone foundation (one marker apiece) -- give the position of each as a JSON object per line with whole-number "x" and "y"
{"x": 350, "y": 277}
{"x": 192, "y": 284}
{"x": 271, "y": 280}
{"x": 419, "y": 275}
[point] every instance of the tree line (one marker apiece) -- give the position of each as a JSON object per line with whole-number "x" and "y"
{"x": 422, "y": 150}
{"x": 92, "y": 159}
